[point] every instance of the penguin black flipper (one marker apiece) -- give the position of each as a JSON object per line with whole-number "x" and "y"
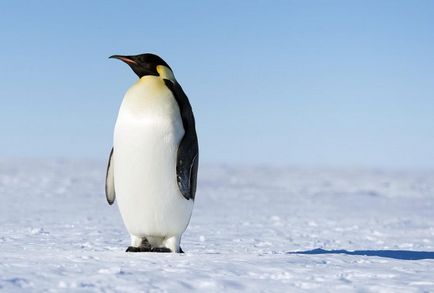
{"x": 109, "y": 181}
{"x": 188, "y": 150}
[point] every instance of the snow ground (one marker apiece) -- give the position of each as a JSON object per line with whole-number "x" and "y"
{"x": 255, "y": 229}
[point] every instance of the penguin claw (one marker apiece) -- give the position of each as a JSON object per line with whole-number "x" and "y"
{"x": 138, "y": 249}
{"x": 150, "y": 249}
{"x": 132, "y": 249}
{"x": 160, "y": 249}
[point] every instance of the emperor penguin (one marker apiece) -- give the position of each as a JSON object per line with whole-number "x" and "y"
{"x": 152, "y": 168}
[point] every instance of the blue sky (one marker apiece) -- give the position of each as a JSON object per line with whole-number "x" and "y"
{"x": 305, "y": 83}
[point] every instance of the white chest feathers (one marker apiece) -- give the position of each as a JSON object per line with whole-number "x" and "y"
{"x": 147, "y": 134}
{"x": 150, "y": 99}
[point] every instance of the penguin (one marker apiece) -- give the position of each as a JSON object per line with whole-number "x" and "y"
{"x": 152, "y": 167}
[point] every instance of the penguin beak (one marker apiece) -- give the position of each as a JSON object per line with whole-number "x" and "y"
{"x": 126, "y": 59}
{"x": 139, "y": 68}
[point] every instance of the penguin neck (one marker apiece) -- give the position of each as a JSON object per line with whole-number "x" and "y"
{"x": 146, "y": 91}
{"x": 146, "y": 86}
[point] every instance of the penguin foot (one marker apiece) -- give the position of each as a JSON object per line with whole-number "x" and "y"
{"x": 180, "y": 250}
{"x": 138, "y": 249}
{"x": 160, "y": 249}
{"x": 132, "y": 249}
{"x": 145, "y": 249}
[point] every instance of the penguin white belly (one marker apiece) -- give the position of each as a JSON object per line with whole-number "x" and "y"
{"x": 147, "y": 134}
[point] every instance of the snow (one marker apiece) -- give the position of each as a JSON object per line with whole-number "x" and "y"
{"x": 268, "y": 229}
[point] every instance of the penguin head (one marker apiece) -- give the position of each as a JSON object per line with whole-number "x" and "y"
{"x": 147, "y": 64}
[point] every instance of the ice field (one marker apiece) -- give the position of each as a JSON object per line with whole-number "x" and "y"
{"x": 254, "y": 229}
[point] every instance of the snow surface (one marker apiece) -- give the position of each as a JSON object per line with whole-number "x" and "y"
{"x": 255, "y": 229}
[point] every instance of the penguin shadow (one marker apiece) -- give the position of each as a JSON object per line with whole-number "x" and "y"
{"x": 395, "y": 254}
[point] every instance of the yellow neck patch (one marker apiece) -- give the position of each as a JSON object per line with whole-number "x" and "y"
{"x": 165, "y": 72}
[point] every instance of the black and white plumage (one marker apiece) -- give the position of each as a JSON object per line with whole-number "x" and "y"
{"x": 152, "y": 169}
